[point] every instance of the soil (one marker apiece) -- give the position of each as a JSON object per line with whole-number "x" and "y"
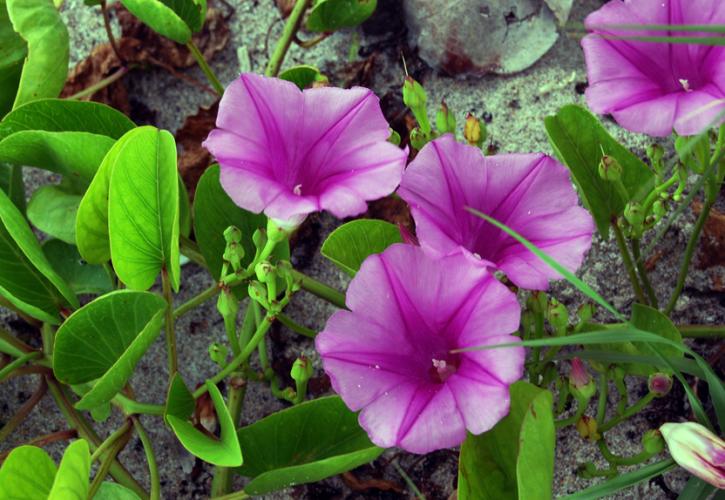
{"x": 513, "y": 108}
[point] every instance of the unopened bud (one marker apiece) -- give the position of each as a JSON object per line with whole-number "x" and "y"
{"x": 698, "y": 450}
{"x": 301, "y": 369}
{"x": 445, "y": 120}
{"x": 558, "y": 317}
{"x": 218, "y": 353}
{"x": 655, "y": 153}
{"x": 610, "y": 169}
{"x": 580, "y": 382}
{"x": 415, "y": 98}
{"x": 653, "y": 442}
{"x": 227, "y": 304}
{"x": 232, "y": 234}
{"x": 233, "y": 251}
{"x": 659, "y": 384}
{"x": 633, "y": 214}
{"x": 586, "y": 426}
{"x": 473, "y": 131}
{"x": 264, "y": 271}
{"x": 258, "y": 292}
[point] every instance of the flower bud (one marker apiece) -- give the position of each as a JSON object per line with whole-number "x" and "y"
{"x": 698, "y": 450}
{"x": 558, "y": 317}
{"x": 227, "y": 304}
{"x": 264, "y": 271}
{"x": 232, "y": 234}
{"x": 301, "y": 370}
{"x": 445, "y": 120}
{"x": 234, "y": 251}
{"x": 258, "y": 292}
{"x": 415, "y": 98}
{"x": 659, "y": 384}
{"x": 580, "y": 382}
{"x": 610, "y": 169}
{"x": 587, "y": 428}
{"x": 218, "y": 353}
{"x": 655, "y": 153}
{"x": 473, "y": 131}
{"x": 634, "y": 215}
{"x": 278, "y": 231}
{"x": 653, "y": 442}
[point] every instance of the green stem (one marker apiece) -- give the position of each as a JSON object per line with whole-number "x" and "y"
{"x": 603, "y": 393}
{"x": 169, "y": 325}
{"x": 218, "y": 87}
{"x": 85, "y": 431}
{"x": 637, "y": 255}
{"x": 296, "y": 327}
{"x": 616, "y": 460}
{"x": 702, "y": 331}
{"x": 321, "y": 290}
{"x": 197, "y": 300}
{"x": 150, "y": 458}
{"x": 89, "y": 91}
{"x": 243, "y": 357}
{"x": 191, "y": 250}
{"x": 238, "y": 495}
{"x": 11, "y": 345}
{"x": 580, "y": 409}
{"x": 222, "y": 482}
{"x": 628, "y": 263}
{"x": 632, "y": 410}
{"x": 288, "y": 34}
{"x": 132, "y": 407}
{"x": 106, "y": 464}
{"x": 115, "y": 436}
{"x": 7, "y": 370}
{"x": 689, "y": 253}
{"x": 248, "y": 324}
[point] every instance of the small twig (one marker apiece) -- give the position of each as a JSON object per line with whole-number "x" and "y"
{"x": 45, "y": 440}
{"x": 109, "y": 32}
{"x": 307, "y": 44}
{"x": 89, "y": 91}
{"x": 24, "y": 410}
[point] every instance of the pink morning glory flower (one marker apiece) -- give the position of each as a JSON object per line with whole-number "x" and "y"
{"x": 390, "y": 354}
{"x": 288, "y": 153}
{"x": 655, "y": 87}
{"x": 698, "y": 450}
{"x": 530, "y": 193}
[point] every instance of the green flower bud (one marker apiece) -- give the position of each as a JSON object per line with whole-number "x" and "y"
{"x": 218, "y": 353}
{"x": 587, "y": 428}
{"x": 258, "y": 292}
{"x": 415, "y": 98}
{"x": 634, "y": 215}
{"x": 610, "y": 169}
{"x": 264, "y": 271}
{"x": 659, "y": 384}
{"x": 655, "y": 153}
{"x": 445, "y": 120}
{"x": 558, "y": 317}
{"x": 227, "y": 304}
{"x": 418, "y": 139}
{"x": 232, "y": 234}
{"x": 581, "y": 384}
{"x": 474, "y": 131}
{"x": 301, "y": 370}
{"x": 653, "y": 442}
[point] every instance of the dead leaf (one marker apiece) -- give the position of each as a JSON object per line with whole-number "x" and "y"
{"x": 357, "y": 484}
{"x": 194, "y": 158}
{"x": 712, "y": 241}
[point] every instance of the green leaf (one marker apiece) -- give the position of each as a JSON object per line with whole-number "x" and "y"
{"x": 515, "y": 459}
{"x": 46, "y": 65}
{"x": 350, "y": 244}
{"x": 184, "y": 210}
{"x": 74, "y": 155}
{"x": 651, "y": 320}
{"x": 303, "y": 444}
{"x": 27, "y": 280}
{"x": 179, "y": 401}
{"x": 11, "y": 181}
{"x": 71, "y": 481}
{"x": 332, "y": 15}
{"x": 28, "y": 472}
{"x": 13, "y": 50}
{"x": 623, "y": 481}
{"x": 696, "y": 489}
{"x": 192, "y": 12}
{"x": 214, "y": 211}
{"x": 81, "y": 276}
{"x": 143, "y": 209}
{"x": 61, "y": 115}
{"x": 53, "y": 211}
{"x": 578, "y": 139}
{"x": 114, "y": 491}
{"x": 106, "y": 338}
{"x": 161, "y": 18}
{"x": 303, "y": 75}
{"x": 225, "y": 451}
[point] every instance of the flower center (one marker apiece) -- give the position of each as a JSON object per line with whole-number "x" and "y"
{"x": 685, "y": 84}
{"x": 297, "y": 190}
{"x": 442, "y": 368}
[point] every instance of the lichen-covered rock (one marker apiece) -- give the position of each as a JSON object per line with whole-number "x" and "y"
{"x": 475, "y": 37}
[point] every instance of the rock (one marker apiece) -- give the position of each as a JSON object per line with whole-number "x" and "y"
{"x": 475, "y": 37}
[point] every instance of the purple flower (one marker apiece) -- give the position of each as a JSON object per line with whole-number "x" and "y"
{"x": 531, "y": 194}
{"x": 390, "y": 354}
{"x": 288, "y": 152}
{"x": 655, "y": 87}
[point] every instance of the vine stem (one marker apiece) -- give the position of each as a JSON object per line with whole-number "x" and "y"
{"x": 45, "y": 440}
{"x": 89, "y": 91}
{"x": 169, "y": 325}
{"x": 218, "y": 87}
{"x": 110, "y": 440}
{"x": 150, "y": 458}
{"x": 109, "y": 32}
{"x": 7, "y": 370}
{"x": 632, "y": 410}
{"x": 222, "y": 482}
{"x": 321, "y": 290}
{"x": 702, "y": 331}
{"x": 107, "y": 463}
{"x": 629, "y": 266}
{"x": 296, "y": 327}
{"x": 199, "y": 299}
{"x": 689, "y": 253}
{"x": 637, "y": 255}
{"x": 288, "y": 34}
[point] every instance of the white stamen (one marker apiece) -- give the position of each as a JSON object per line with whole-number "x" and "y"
{"x": 439, "y": 364}
{"x": 297, "y": 190}
{"x": 685, "y": 85}
{"x": 477, "y": 256}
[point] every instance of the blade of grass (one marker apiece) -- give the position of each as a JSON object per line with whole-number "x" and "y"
{"x": 624, "y": 481}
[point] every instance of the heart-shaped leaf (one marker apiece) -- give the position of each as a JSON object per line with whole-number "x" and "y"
{"x": 80, "y": 275}
{"x": 578, "y": 138}
{"x": 104, "y": 340}
{"x": 114, "y": 491}
{"x": 53, "y": 211}
{"x": 28, "y": 472}
{"x": 13, "y": 50}
{"x": 162, "y": 18}
{"x": 61, "y": 115}
{"x": 46, "y": 65}
{"x": 332, "y": 15}
{"x": 303, "y": 76}
{"x": 143, "y": 209}
{"x": 225, "y": 451}
{"x": 515, "y": 459}
{"x": 179, "y": 400}
{"x": 303, "y": 444}
{"x": 214, "y": 211}
{"x": 71, "y": 481}
{"x": 27, "y": 280}
{"x": 350, "y": 244}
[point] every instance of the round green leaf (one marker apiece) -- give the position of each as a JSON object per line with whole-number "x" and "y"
{"x": 225, "y": 451}
{"x": 27, "y": 280}
{"x": 350, "y": 244}
{"x": 160, "y": 16}
{"x": 303, "y": 444}
{"x": 80, "y": 275}
{"x": 71, "y": 481}
{"x": 46, "y": 66}
{"x": 106, "y": 338}
{"x": 303, "y": 76}
{"x": 332, "y": 15}
{"x": 13, "y": 50}
{"x": 53, "y": 211}
{"x": 143, "y": 209}
{"x": 28, "y": 472}
{"x": 61, "y": 115}
{"x": 214, "y": 211}
{"x": 114, "y": 491}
